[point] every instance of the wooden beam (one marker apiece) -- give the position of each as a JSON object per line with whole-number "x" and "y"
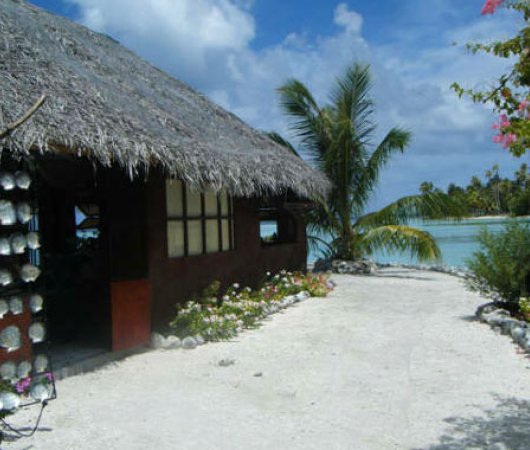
{"x": 20, "y": 121}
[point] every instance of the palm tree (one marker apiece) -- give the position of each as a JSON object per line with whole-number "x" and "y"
{"x": 338, "y": 137}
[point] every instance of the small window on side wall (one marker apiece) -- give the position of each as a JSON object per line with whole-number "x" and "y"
{"x": 197, "y": 222}
{"x": 277, "y": 227}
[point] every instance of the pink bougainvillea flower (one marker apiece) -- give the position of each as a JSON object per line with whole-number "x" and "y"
{"x": 509, "y": 139}
{"x": 490, "y": 6}
{"x": 495, "y": 125}
{"x": 504, "y": 121}
{"x": 498, "y": 138}
{"x": 523, "y": 105}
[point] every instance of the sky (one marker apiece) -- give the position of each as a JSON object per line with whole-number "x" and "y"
{"x": 238, "y": 52}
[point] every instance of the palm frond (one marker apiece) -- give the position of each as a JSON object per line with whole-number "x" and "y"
{"x": 435, "y": 205}
{"x": 309, "y": 126}
{"x": 279, "y": 139}
{"x": 353, "y": 105}
{"x": 317, "y": 244}
{"x": 400, "y": 238}
{"x": 395, "y": 141}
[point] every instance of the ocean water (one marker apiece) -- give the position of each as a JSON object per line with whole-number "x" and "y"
{"x": 457, "y": 240}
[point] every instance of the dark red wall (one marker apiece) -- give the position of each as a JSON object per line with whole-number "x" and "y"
{"x": 178, "y": 279}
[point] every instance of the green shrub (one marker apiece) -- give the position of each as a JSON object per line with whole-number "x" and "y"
{"x": 524, "y": 306}
{"x": 501, "y": 269}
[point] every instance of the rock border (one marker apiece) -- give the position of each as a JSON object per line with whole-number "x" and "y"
{"x": 367, "y": 267}
{"x": 170, "y": 342}
{"x": 503, "y": 323}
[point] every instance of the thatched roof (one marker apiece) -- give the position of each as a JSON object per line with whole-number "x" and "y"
{"x": 107, "y": 103}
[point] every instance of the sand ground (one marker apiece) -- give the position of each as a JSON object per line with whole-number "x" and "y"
{"x": 393, "y": 361}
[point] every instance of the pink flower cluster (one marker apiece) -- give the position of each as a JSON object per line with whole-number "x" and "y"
{"x": 24, "y": 384}
{"x": 506, "y": 139}
{"x": 490, "y": 6}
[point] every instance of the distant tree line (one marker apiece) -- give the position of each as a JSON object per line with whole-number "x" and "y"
{"x": 491, "y": 195}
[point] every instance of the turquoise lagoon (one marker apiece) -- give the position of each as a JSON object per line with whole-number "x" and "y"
{"x": 457, "y": 240}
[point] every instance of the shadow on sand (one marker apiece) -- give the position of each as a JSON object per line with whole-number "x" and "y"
{"x": 505, "y": 427}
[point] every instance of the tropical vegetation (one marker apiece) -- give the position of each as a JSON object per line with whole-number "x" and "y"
{"x": 338, "y": 139}
{"x": 509, "y": 95}
{"x": 501, "y": 268}
{"x": 492, "y": 194}
{"x": 216, "y": 316}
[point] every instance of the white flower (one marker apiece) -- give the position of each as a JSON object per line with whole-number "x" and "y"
{"x": 248, "y": 289}
{"x": 283, "y": 272}
{"x": 226, "y": 298}
{"x": 268, "y": 274}
{"x": 236, "y": 285}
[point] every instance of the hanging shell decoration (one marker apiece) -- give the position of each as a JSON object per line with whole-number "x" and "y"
{"x": 8, "y": 371}
{"x": 10, "y": 338}
{"x": 33, "y": 240}
{"x": 23, "y": 212}
{"x": 18, "y": 243}
{"x": 29, "y": 273}
{"x": 7, "y": 181}
{"x": 16, "y": 306}
{"x": 36, "y": 303}
{"x": 23, "y": 369}
{"x": 9, "y": 400}
{"x": 37, "y": 332}
{"x": 40, "y": 392}
{"x": 40, "y": 364}
{"x": 5, "y": 247}
{"x": 7, "y": 213}
{"x": 22, "y": 180}
{"x": 4, "y": 308}
{"x": 5, "y": 277}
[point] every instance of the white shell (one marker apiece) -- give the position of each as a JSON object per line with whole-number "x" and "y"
{"x": 18, "y": 243}
{"x": 5, "y": 277}
{"x": 23, "y": 369}
{"x": 23, "y": 212}
{"x": 16, "y": 306}
{"x": 33, "y": 240}
{"x": 10, "y": 338}
{"x": 40, "y": 364}
{"x": 7, "y": 213}
{"x": 37, "y": 332}
{"x": 23, "y": 180}
{"x": 4, "y": 308}
{"x": 8, "y": 370}
{"x": 7, "y": 181}
{"x": 40, "y": 392}
{"x": 35, "y": 303}
{"x": 9, "y": 400}
{"x": 5, "y": 247}
{"x": 29, "y": 273}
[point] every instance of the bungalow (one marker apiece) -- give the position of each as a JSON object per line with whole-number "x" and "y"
{"x": 143, "y": 190}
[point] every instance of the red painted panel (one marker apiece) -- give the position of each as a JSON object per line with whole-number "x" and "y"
{"x": 131, "y": 313}
{"x": 22, "y": 321}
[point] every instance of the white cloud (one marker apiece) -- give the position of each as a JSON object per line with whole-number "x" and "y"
{"x": 350, "y": 20}
{"x": 184, "y": 30}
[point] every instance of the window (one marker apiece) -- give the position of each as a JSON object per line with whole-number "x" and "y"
{"x": 197, "y": 223}
{"x": 277, "y": 226}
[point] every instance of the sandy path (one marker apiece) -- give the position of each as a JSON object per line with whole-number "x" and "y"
{"x": 386, "y": 362}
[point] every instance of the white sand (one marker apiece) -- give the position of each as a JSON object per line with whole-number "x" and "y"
{"x": 386, "y": 362}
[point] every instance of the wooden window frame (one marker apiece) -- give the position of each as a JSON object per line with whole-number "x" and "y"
{"x": 203, "y": 217}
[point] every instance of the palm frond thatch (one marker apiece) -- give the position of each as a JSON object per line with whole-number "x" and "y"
{"x": 108, "y": 104}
